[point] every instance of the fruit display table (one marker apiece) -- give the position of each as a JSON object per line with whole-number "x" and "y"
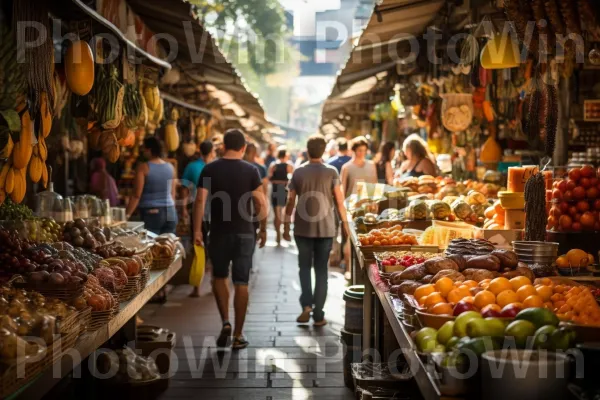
{"x": 89, "y": 342}
{"x": 426, "y": 381}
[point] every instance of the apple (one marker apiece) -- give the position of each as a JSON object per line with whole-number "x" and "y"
{"x": 490, "y": 313}
{"x": 576, "y": 226}
{"x": 463, "y": 306}
{"x": 562, "y": 185}
{"x": 510, "y": 311}
{"x": 572, "y": 211}
{"x": 597, "y": 205}
{"x": 571, "y": 184}
{"x": 587, "y": 171}
{"x": 552, "y": 222}
{"x": 579, "y": 193}
{"x": 575, "y": 174}
{"x": 555, "y": 212}
{"x": 577, "y": 217}
{"x": 564, "y": 207}
{"x": 594, "y": 181}
{"x": 568, "y": 195}
{"x": 591, "y": 193}
{"x": 583, "y": 206}
{"x": 446, "y": 332}
{"x": 460, "y": 323}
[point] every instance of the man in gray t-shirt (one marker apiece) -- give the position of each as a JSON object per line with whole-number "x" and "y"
{"x": 316, "y": 186}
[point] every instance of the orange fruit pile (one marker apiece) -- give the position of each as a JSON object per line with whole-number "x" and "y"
{"x": 392, "y": 236}
{"x": 570, "y": 303}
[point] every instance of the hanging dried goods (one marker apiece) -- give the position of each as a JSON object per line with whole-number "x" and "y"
{"x": 40, "y": 149}
{"x": 159, "y": 113}
{"x": 152, "y": 97}
{"x": 35, "y": 168}
{"x": 79, "y": 68}
{"x": 568, "y": 10}
{"x": 45, "y": 116}
{"x": 171, "y": 136}
{"x": 8, "y": 148}
{"x": 520, "y": 13}
{"x": 535, "y": 208}
{"x": 551, "y": 119}
{"x": 20, "y": 186}
{"x": 143, "y": 117}
{"x": 545, "y": 34}
{"x": 24, "y": 147}
{"x": 589, "y": 18}
{"x": 132, "y": 106}
{"x": 45, "y": 175}
{"x": 553, "y": 13}
{"x": 109, "y": 100}
{"x": 94, "y": 137}
{"x": 532, "y": 119}
{"x": 12, "y": 75}
{"x": 39, "y": 60}
{"x": 110, "y": 146}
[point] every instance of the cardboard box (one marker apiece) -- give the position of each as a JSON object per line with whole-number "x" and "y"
{"x": 503, "y": 238}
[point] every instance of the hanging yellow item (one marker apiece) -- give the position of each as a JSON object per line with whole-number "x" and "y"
{"x": 491, "y": 152}
{"x": 500, "y": 52}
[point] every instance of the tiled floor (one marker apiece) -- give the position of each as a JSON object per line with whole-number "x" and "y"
{"x": 284, "y": 361}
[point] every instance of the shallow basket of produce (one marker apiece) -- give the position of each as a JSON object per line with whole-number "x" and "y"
{"x": 64, "y": 292}
{"x": 432, "y": 320}
{"x": 162, "y": 262}
{"x": 13, "y": 376}
{"x": 75, "y": 320}
{"x": 145, "y": 277}
{"x": 99, "y": 318}
{"x": 131, "y": 289}
{"x": 392, "y": 261}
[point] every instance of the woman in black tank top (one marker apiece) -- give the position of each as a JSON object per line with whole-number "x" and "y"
{"x": 278, "y": 175}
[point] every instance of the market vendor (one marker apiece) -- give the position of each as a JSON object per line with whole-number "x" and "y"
{"x": 419, "y": 161}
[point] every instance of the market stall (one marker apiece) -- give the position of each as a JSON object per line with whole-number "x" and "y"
{"x": 501, "y": 247}
{"x": 74, "y": 273}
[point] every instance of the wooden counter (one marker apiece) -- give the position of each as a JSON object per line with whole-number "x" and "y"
{"x": 91, "y": 341}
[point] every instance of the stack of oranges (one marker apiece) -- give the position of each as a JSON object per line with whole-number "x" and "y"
{"x": 392, "y": 236}
{"x": 570, "y": 303}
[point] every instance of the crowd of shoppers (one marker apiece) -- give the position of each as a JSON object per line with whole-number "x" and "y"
{"x": 229, "y": 183}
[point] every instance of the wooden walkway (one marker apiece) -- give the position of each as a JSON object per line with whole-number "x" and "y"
{"x": 284, "y": 361}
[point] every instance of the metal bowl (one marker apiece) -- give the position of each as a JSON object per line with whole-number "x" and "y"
{"x": 538, "y": 252}
{"x": 537, "y": 260}
{"x": 522, "y": 245}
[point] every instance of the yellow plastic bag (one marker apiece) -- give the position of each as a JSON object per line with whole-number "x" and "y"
{"x": 197, "y": 270}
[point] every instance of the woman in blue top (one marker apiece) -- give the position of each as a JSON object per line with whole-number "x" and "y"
{"x": 154, "y": 191}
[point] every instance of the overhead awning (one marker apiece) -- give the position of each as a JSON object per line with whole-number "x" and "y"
{"x": 384, "y": 44}
{"x": 206, "y": 77}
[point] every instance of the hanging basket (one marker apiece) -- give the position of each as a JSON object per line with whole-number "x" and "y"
{"x": 457, "y": 111}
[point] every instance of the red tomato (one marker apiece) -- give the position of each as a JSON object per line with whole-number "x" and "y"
{"x": 579, "y": 193}
{"x": 575, "y": 174}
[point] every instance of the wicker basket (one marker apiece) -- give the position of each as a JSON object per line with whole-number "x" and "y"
{"x": 99, "y": 318}
{"x": 162, "y": 262}
{"x": 131, "y": 289}
{"x": 14, "y": 376}
{"x": 74, "y": 321}
{"x": 145, "y": 278}
{"x": 66, "y": 293}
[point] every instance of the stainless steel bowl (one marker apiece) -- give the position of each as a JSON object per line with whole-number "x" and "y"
{"x": 522, "y": 245}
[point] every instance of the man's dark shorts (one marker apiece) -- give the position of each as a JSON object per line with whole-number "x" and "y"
{"x": 235, "y": 249}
